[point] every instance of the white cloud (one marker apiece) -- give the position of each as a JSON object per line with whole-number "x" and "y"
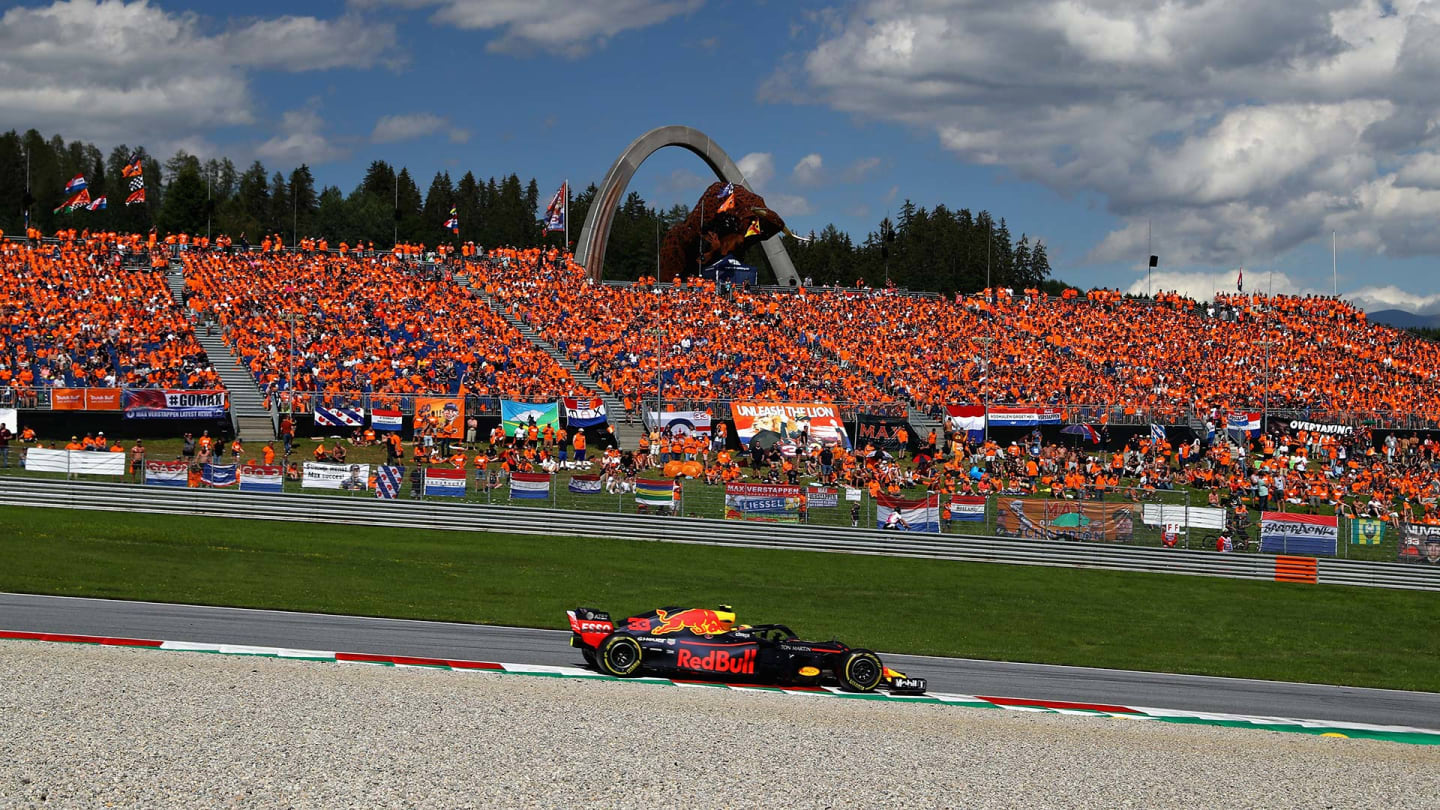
{"x": 1203, "y": 285}
{"x": 758, "y": 168}
{"x": 111, "y": 71}
{"x": 559, "y": 26}
{"x": 860, "y": 170}
{"x": 392, "y": 128}
{"x": 810, "y": 171}
{"x": 788, "y": 206}
{"x": 301, "y": 140}
{"x": 1242, "y": 129}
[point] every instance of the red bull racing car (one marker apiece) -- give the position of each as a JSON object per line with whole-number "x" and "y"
{"x": 708, "y": 644}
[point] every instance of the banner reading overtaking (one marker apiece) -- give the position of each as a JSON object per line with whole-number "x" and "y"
{"x": 771, "y": 423}
{"x": 1064, "y": 520}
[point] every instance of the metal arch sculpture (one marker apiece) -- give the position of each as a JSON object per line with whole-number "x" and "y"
{"x": 590, "y": 252}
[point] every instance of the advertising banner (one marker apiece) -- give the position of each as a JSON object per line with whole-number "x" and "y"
{"x": 777, "y": 503}
{"x": 967, "y": 508}
{"x": 682, "y": 423}
{"x": 1420, "y": 544}
{"x": 102, "y": 399}
{"x": 67, "y": 399}
{"x": 967, "y": 418}
{"x": 446, "y": 414}
{"x": 1282, "y": 533}
{"x": 585, "y": 484}
{"x": 518, "y": 414}
{"x": 381, "y": 419}
{"x": 1366, "y": 531}
{"x": 584, "y": 412}
{"x": 881, "y": 431}
{"x": 654, "y": 492}
{"x": 1064, "y": 520}
{"x": 166, "y": 473}
{"x": 220, "y": 476}
{"x": 535, "y": 486}
{"x": 157, "y": 404}
{"x": 822, "y": 497}
{"x": 10, "y": 418}
{"x": 339, "y": 416}
{"x": 261, "y": 478}
{"x": 771, "y": 423}
{"x": 1023, "y": 416}
{"x": 351, "y": 477}
{"x": 908, "y": 514}
{"x": 445, "y": 483}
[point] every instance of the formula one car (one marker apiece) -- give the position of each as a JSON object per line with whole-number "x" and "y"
{"x": 708, "y": 644}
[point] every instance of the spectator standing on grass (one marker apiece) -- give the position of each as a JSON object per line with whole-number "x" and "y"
{"x": 137, "y": 461}
{"x": 187, "y": 448}
{"x": 5, "y": 436}
{"x": 855, "y": 516}
{"x": 287, "y": 433}
{"x": 417, "y": 481}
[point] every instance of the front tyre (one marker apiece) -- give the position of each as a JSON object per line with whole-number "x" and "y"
{"x": 860, "y": 671}
{"x": 619, "y": 656}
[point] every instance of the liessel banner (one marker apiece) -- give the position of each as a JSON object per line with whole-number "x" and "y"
{"x": 777, "y": 503}
{"x": 881, "y": 431}
{"x": 157, "y": 404}
{"x": 353, "y": 477}
{"x": 1283, "y": 533}
{"x": 1419, "y": 544}
{"x": 1064, "y": 520}
{"x": 771, "y": 423}
{"x": 682, "y": 423}
{"x": 1321, "y": 427}
{"x": 1023, "y": 416}
{"x": 584, "y": 412}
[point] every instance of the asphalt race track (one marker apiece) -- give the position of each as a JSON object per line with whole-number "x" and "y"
{"x": 52, "y": 614}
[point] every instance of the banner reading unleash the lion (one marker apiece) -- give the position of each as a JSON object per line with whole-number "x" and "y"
{"x": 784, "y": 423}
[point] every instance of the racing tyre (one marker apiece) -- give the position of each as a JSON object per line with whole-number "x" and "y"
{"x": 619, "y": 656}
{"x": 860, "y": 671}
{"x": 590, "y": 658}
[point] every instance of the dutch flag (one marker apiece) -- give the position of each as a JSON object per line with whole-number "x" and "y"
{"x": 77, "y": 183}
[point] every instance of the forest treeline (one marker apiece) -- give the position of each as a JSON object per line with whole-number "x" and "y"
{"x": 940, "y": 249}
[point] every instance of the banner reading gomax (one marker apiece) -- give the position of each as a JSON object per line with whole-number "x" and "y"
{"x": 158, "y": 404}
{"x": 771, "y": 423}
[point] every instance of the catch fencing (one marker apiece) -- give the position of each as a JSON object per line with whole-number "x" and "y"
{"x": 403, "y": 514}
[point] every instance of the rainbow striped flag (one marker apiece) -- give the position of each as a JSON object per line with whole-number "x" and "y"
{"x": 654, "y": 492}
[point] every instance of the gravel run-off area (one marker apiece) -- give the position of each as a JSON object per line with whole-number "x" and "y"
{"x": 89, "y": 726}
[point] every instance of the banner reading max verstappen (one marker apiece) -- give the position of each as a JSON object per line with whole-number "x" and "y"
{"x": 1282, "y": 533}
{"x": 881, "y": 431}
{"x": 776, "y": 503}
{"x": 771, "y": 423}
{"x": 1064, "y": 520}
{"x": 157, "y": 404}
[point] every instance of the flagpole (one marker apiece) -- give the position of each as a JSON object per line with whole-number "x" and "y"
{"x": 565, "y": 191}
{"x": 1334, "y": 268}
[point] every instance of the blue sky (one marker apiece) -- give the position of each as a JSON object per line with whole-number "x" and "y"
{"x": 1242, "y": 133}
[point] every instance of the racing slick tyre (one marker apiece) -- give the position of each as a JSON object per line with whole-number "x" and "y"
{"x": 590, "y": 658}
{"x": 619, "y": 656}
{"x": 860, "y": 671}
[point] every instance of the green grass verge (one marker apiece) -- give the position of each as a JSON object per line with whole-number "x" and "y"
{"x": 1328, "y": 634}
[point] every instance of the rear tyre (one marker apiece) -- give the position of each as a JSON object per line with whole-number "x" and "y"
{"x": 860, "y": 671}
{"x": 619, "y": 656}
{"x": 590, "y": 658}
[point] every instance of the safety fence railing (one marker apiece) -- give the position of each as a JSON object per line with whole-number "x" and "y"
{"x": 32, "y": 493}
{"x": 1169, "y": 520}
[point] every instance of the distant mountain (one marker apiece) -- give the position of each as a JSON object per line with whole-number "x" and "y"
{"x": 1400, "y": 319}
